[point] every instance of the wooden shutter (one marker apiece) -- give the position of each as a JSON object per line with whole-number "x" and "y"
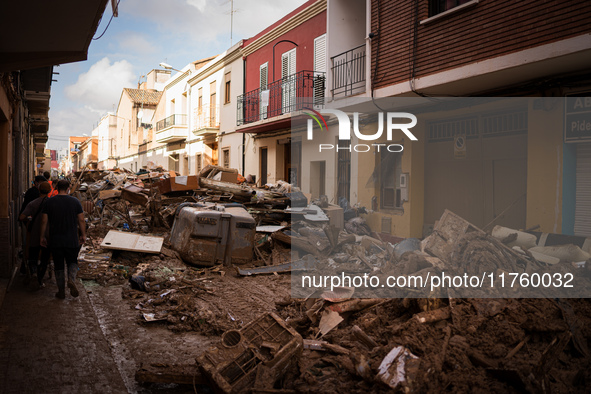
{"x": 263, "y": 76}
{"x": 288, "y": 69}
{"x": 319, "y": 69}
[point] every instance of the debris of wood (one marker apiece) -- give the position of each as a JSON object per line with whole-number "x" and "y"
{"x": 164, "y": 373}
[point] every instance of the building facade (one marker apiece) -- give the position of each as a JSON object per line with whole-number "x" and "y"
{"x": 285, "y": 73}
{"x": 525, "y": 174}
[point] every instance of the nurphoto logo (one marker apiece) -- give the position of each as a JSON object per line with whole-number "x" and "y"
{"x": 395, "y": 121}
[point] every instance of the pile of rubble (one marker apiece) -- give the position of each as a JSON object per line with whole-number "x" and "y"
{"x": 322, "y": 339}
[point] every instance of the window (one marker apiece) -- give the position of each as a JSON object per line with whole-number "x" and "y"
{"x": 212, "y": 98}
{"x": 227, "y": 89}
{"x": 264, "y": 98}
{"x": 390, "y": 170}
{"x": 198, "y": 159}
{"x": 288, "y": 86}
{"x": 439, "y": 6}
{"x": 200, "y": 100}
{"x": 226, "y": 157}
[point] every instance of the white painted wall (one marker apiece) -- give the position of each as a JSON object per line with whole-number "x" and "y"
{"x": 345, "y": 29}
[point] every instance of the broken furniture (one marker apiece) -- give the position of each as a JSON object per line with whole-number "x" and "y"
{"x": 209, "y": 234}
{"x": 256, "y": 355}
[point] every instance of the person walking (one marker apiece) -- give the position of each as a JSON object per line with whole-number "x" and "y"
{"x": 31, "y": 215}
{"x": 31, "y": 194}
{"x": 67, "y": 231}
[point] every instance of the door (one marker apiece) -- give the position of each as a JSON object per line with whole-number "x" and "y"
{"x": 288, "y": 81}
{"x": 293, "y": 154}
{"x": 583, "y": 191}
{"x": 264, "y": 166}
{"x": 489, "y": 181}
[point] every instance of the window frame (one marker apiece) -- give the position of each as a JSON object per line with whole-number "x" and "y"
{"x": 398, "y": 203}
{"x": 226, "y": 154}
{"x": 227, "y": 88}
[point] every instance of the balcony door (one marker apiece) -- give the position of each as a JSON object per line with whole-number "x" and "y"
{"x": 288, "y": 81}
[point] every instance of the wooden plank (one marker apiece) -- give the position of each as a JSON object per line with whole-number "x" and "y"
{"x": 120, "y": 240}
{"x": 179, "y": 374}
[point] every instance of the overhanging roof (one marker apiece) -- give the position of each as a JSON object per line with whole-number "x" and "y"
{"x": 37, "y": 33}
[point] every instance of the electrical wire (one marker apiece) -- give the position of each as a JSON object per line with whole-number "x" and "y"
{"x": 108, "y": 24}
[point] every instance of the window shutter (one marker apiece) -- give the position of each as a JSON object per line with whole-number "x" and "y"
{"x": 263, "y": 75}
{"x": 320, "y": 53}
{"x": 288, "y": 68}
{"x": 319, "y": 69}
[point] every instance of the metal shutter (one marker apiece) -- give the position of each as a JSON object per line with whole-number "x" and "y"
{"x": 583, "y": 201}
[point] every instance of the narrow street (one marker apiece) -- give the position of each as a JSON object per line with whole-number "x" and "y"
{"x": 82, "y": 345}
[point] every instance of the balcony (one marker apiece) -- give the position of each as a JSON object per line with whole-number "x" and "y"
{"x": 348, "y": 72}
{"x": 171, "y": 129}
{"x": 293, "y": 93}
{"x": 207, "y": 120}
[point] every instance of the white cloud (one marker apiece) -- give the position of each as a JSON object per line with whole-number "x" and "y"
{"x": 135, "y": 42}
{"x": 199, "y": 4}
{"x": 100, "y": 87}
{"x": 70, "y": 121}
{"x": 201, "y": 21}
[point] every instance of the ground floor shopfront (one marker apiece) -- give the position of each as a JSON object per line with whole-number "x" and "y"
{"x": 501, "y": 162}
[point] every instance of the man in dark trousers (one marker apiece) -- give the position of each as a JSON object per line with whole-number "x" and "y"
{"x": 67, "y": 230}
{"x": 31, "y": 194}
{"x": 31, "y": 215}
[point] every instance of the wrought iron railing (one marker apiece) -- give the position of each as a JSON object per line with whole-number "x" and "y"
{"x": 172, "y": 120}
{"x": 348, "y": 72}
{"x": 208, "y": 116}
{"x": 292, "y": 93}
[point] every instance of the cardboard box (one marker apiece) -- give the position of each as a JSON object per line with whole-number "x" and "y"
{"x": 178, "y": 184}
{"x": 335, "y": 215}
{"x": 106, "y": 194}
{"x": 229, "y": 177}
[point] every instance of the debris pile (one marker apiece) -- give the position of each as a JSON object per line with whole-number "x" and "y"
{"x": 323, "y": 339}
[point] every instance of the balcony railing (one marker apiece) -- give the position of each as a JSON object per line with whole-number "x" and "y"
{"x": 171, "y": 129}
{"x": 206, "y": 117}
{"x": 172, "y": 120}
{"x": 348, "y": 72}
{"x": 292, "y": 93}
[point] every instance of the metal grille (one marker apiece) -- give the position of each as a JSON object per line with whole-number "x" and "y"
{"x": 506, "y": 122}
{"x": 172, "y": 120}
{"x": 583, "y": 193}
{"x": 206, "y": 116}
{"x": 446, "y": 130}
{"x": 348, "y": 72}
{"x": 387, "y": 225}
{"x": 344, "y": 171}
{"x": 297, "y": 88}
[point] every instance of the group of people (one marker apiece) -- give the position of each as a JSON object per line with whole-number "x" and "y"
{"x": 55, "y": 228}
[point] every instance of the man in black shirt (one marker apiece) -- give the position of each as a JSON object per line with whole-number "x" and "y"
{"x": 33, "y": 211}
{"x": 67, "y": 230}
{"x": 33, "y": 192}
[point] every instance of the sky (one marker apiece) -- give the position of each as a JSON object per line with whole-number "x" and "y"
{"x": 146, "y": 33}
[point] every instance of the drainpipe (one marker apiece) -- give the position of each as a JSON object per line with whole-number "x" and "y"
{"x": 243, "y": 134}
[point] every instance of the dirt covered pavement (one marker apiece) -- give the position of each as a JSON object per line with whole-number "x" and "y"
{"x": 166, "y": 312}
